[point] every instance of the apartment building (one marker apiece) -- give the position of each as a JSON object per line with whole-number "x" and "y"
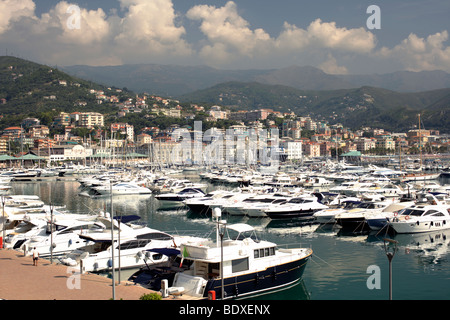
{"x": 87, "y": 119}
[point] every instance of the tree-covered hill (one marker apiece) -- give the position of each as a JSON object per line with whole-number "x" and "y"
{"x": 31, "y": 89}
{"x": 365, "y": 106}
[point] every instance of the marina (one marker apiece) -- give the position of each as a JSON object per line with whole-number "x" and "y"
{"x": 340, "y": 257}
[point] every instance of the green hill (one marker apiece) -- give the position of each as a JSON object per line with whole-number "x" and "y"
{"x": 31, "y": 89}
{"x": 365, "y": 106}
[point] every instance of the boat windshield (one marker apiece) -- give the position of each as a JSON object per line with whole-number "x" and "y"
{"x": 234, "y": 235}
{"x": 411, "y": 212}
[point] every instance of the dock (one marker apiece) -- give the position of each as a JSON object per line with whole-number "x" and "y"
{"x": 20, "y": 280}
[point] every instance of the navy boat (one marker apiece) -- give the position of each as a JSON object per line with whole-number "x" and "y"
{"x": 250, "y": 266}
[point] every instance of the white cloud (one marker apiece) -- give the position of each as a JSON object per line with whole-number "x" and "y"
{"x": 228, "y": 33}
{"x": 230, "y": 37}
{"x": 13, "y": 10}
{"x": 151, "y": 31}
{"x": 328, "y": 35}
{"x": 151, "y": 27}
{"x": 330, "y": 66}
{"x": 419, "y": 54}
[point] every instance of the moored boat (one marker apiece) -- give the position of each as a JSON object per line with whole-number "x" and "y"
{"x": 248, "y": 266}
{"x": 422, "y": 218}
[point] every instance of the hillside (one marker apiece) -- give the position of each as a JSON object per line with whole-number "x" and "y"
{"x": 365, "y": 106}
{"x": 174, "y": 81}
{"x": 34, "y": 90}
{"x": 31, "y": 89}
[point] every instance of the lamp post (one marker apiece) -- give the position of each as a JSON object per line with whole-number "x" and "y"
{"x": 4, "y": 222}
{"x": 51, "y": 232}
{"x": 390, "y": 247}
{"x": 221, "y": 227}
{"x": 112, "y": 243}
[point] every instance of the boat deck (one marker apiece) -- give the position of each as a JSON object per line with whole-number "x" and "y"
{"x": 20, "y": 280}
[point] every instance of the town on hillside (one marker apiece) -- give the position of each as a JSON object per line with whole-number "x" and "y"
{"x": 84, "y": 136}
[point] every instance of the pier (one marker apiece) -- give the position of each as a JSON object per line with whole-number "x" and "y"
{"x": 20, "y": 280}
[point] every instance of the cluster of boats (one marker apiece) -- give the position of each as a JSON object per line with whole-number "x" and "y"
{"x": 236, "y": 263}
{"x": 190, "y": 265}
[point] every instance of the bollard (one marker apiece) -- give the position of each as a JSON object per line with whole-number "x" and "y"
{"x": 164, "y": 288}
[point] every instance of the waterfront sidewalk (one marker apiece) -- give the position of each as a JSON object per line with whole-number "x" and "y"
{"x": 20, "y": 280}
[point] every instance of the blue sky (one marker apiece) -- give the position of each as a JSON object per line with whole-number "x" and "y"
{"x": 240, "y": 34}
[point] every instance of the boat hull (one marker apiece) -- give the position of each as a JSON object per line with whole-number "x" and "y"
{"x": 354, "y": 224}
{"x": 413, "y": 226}
{"x": 290, "y": 214}
{"x": 257, "y": 283}
{"x": 376, "y": 224}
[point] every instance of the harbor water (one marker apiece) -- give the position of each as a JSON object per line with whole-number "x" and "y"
{"x": 343, "y": 266}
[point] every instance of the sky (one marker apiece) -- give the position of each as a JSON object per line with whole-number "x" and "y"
{"x": 339, "y": 37}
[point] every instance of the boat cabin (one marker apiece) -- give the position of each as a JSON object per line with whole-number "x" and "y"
{"x": 241, "y": 249}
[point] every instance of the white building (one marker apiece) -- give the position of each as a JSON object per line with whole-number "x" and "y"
{"x": 292, "y": 149}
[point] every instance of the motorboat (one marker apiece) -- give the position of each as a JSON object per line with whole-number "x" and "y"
{"x": 317, "y": 182}
{"x": 328, "y": 215}
{"x": 281, "y": 179}
{"x": 61, "y": 237}
{"x": 211, "y": 200}
{"x": 355, "y": 219}
{"x": 380, "y": 219}
{"x": 132, "y": 248}
{"x": 297, "y": 207}
{"x": 23, "y": 231}
{"x": 422, "y": 218}
{"x": 122, "y": 188}
{"x": 240, "y": 263}
{"x": 257, "y": 207}
{"x": 176, "y": 199}
{"x": 164, "y": 185}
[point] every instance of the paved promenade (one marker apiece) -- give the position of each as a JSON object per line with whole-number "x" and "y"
{"x": 20, "y": 280}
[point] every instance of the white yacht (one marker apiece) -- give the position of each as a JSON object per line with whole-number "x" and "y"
{"x": 255, "y": 205}
{"x": 132, "y": 245}
{"x": 422, "y": 218}
{"x": 298, "y": 207}
{"x": 122, "y": 188}
{"x": 327, "y": 216}
{"x": 65, "y": 237}
{"x": 355, "y": 219}
{"x": 209, "y": 201}
{"x": 176, "y": 199}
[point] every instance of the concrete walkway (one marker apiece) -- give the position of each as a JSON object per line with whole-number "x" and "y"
{"x": 20, "y": 280}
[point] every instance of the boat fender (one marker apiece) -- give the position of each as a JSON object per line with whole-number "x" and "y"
{"x": 70, "y": 242}
{"x": 407, "y": 218}
{"x": 211, "y": 295}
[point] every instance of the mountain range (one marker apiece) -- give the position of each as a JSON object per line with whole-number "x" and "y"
{"x": 26, "y": 88}
{"x": 174, "y": 81}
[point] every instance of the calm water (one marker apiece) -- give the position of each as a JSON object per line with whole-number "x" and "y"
{"x": 338, "y": 269}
